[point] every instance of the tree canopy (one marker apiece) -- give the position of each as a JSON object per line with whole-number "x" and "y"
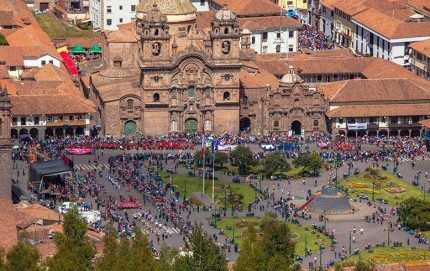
{"x": 274, "y": 162}
{"x": 243, "y": 155}
{"x": 312, "y": 161}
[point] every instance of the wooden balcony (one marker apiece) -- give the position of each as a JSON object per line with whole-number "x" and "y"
{"x": 65, "y": 123}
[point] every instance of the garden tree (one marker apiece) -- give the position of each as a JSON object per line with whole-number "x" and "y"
{"x": 251, "y": 257}
{"x": 206, "y": 255}
{"x": 278, "y": 262}
{"x": 123, "y": 254}
{"x": 276, "y": 239}
{"x": 274, "y": 162}
{"x": 23, "y": 256}
{"x": 74, "y": 249}
{"x": 312, "y": 161}
{"x": 415, "y": 213}
{"x": 243, "y": 157}
{"x": 110, "y": 248}
{"x": 167, "y": 258}
{"x": 221, "y": 158}
{"x": 3, "y": 41}
{"x": 199, "y": 157}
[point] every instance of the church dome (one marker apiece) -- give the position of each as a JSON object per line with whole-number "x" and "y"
{"x": 174, "y": 10}
{"x": 225, "y": 14}
{"x": 290, "y": 77}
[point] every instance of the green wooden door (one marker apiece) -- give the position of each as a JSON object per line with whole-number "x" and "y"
{"x": 191, "y": 126}
{"x": 130, "y": 128}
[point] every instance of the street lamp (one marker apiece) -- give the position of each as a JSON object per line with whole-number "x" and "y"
{"x": 320, "y": 255}
{"x": 350, "y": 238}
{"x": 232, "y": 240}
{"x": 325, "y": 218}
{"x": 225, "y": 198}
{"x": 389, "y": 227}
{"x": 215, "y": 218}
{"x": 185, "y": 189}
{"x": 373, "y": 188}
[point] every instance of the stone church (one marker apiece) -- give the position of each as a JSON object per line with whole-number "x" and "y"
{"x": 164, "y": 74}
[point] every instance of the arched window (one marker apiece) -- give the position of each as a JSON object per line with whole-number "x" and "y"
{"x": 245, "y": 100}
{"x": 156, "y": 32}
{"x": 226, "y": 30}
{"x": 226, "y": 96}
{"x": 156, "y": 97}
{"x": 191, "y": 92}
{"x": 278, "y": 48}
{"x": 316, "y": 123}
{"x": 130, "y": 104}
{"x": 319, "y": 78}
{"x": 276, "y": 124}
{"x": 174, "y": 126}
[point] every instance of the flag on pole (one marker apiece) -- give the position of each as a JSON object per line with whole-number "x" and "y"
{"x": 203, "y": 140}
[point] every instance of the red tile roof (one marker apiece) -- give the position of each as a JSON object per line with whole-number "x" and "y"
{"x": 251, "y": 76}
{"x": 257, "y": 23}
{"x": 422, "y": 47}
{"x": 251, "y": 7}
{"x": 375, "y": 110}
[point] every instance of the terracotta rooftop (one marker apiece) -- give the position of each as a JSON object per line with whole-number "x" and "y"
{"x": 40, "y": 212}
{"x": 391, "y": 27}
{"x": 257, "y": 23}
{"x": 425, "y": 123}
{"x": 253, "y": 77}
{"x": 12, "y": 55}
{"x": 85, "y": 42}
{"x": 350, "y": 8}
{"x": 379, "y": 90}
{"x": 11, "y": 89}
{"x": 251, "y": 7}
{"x": 110, "y": 90}
{"x": 422, "y": 47}
{"x": 204, "y": 18}
{"x": 328, "y": 3}
{"x": 398, "y": 109}
{"x": 4, "y": 73}
{"x": 126, "y": 35}
{"x": 423, "y": 6}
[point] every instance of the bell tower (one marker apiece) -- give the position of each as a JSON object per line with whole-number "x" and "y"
{"x": 155, "y": 37}
{"x": 225, "y": 36}
{"x": 5, "y": 145}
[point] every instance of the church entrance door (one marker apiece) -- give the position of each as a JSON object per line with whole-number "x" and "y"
{"x": 130, "y": 128}
{"x": 245, "y": 124}
{"x": 191, "y": 126}
{"x": 296, "y": 127}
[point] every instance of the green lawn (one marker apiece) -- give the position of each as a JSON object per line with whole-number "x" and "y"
{"x": 386, "y": 255}
{"x": 362, "y": 185}
{"x": 299, "y": 234}
{"x": 195, "y": 184}
{"x": 54, "y": 29}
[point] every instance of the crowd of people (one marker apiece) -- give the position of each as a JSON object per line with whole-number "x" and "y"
{"x": 78, "y": 57}
{"x": 311, "y": 38}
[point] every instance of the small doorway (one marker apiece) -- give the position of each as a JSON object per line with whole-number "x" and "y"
{"x": 130, "y": 128}
{"x": 191, "y": 126}
{"x": 245, "y": 125}
{"x": 296, "y": 127}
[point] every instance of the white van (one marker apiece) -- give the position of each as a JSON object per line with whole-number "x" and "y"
{"x": 66, "y": 206}
{"x": 92, "y": 216}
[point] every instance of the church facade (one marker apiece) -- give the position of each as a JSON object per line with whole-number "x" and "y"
{"x": 159, "y": 80}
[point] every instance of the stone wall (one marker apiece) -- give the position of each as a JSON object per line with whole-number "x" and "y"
{"x": 227, "y": 119}
{"x": 156, "y": 122}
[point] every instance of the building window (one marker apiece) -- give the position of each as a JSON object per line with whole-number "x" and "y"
{"x": 120, "y": 7}
{"x": 202, "y": 2}
{"x": 156, "y": 98}
{"x": 351, "y": 120}
{"x": 120, "y": 20}
{"x": 253, "y": 40}
{"x": 290, "y": 48}
{"x": 51, "y": 61}
{"x": 291, "y": 34}
{"x": 264, "y": 36}
{"x": 12, "y": 68}
{"x": 245, "y": 100}
{"x": 117, "y": 63}
{"x": 36, "y": 120}
{"x": 50, "y": 118}
{"x": 264, "y": 50}
{"x": 340, "y": 120}
{"x": 278, "y": 48}
{"x": 156, "y": 79}
{"x": 316, "y": 123}
{"x": 226, "y": 96}
{"x": 23, "y": 120}
{"x": 133, "y": 7}
{"x": 276, "y": 124}
{"x": 394, "y": 119}
{"x": 43, "y": 62}
{"x": 278, "y": 35}
{"x": 109, "y": 9}
{"x": 14, "y": 121}
{"x": 130, "y": 104}
{"x": 191, "y": 92}
{"x": 415, "y": 119}
{"x": 174, "y": 91}
{"x": 109, "y": 21}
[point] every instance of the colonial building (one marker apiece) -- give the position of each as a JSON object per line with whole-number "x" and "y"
{"x": 420, "y": 58}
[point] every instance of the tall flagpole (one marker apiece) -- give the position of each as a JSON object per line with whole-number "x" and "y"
{"x": 213, "y": 174}
{"x": 203, "y": 153}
